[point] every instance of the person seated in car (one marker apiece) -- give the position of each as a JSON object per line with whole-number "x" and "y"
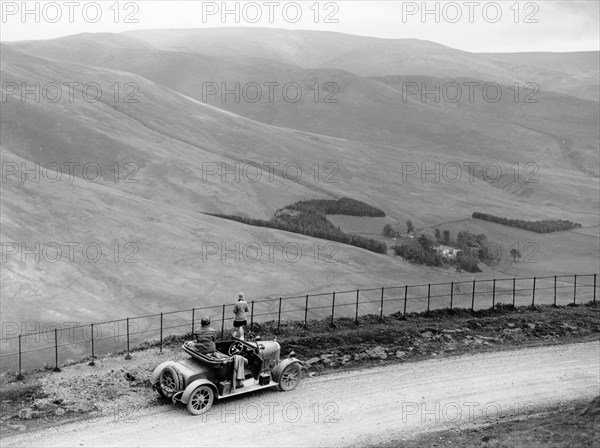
{"x": 205, "y": 337}
{"x": 205, "y": 340}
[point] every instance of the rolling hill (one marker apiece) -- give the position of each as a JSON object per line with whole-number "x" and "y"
{"x": 574, "y": 73}
{"x": 364, "y": 109}
{"x": 175, "y": 148}
{"x": 570, "y": 73}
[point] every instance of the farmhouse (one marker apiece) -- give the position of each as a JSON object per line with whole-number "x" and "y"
{"x": 447, "y": 251}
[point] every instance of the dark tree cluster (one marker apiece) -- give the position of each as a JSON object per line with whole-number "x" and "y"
{"x": 420, "y": 252}
{"x": 544, "y": 226}
{"x": 389, "y": 231}
{"x": 473, "y": 249}
{"x": 343, "y": 206}
{"x": 466, "y": 239}
{"x": 308, "y": 218}
{"x": 467, "y": 261}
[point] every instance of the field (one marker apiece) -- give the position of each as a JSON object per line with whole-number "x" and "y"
{"x": 541, "y": 254}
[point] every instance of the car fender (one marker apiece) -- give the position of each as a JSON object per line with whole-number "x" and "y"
{"x": 276, "y": 372}
{"x": 185, "y": 397}
{"x": 156, "y": 372}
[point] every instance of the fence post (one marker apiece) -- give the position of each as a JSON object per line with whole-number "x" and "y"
{"x": 494, "y": 294}
{"x": 223, "y": 323}
{"x": 128, "y": 356}
{"x": 252, "y": 316}
{"x": 20, "y": 375}
{"x": 405, "y": 298}
{"x": 92, "y": 362}
{"x": 451, "y": 294}
{"x": 332, "y": 325}
{"x": 161, "y": 332}
{"x": 514, "y": 283}
{"x": 381, "y": 306}
{"x": 193, "y": 321}
{"x": 306, "y": 312}
{"x": 473, "y": 298}
{"x": 56, "y": 369}
{"x": 594, "y": 288}
{"x": 357, "y": 298}
{"x": 555, "y": 290}
{"x": 279, "y": 316}
{"x": 574, "y": 288}
{"x": 533, "y": 295}
{"x": 428, "y": 296}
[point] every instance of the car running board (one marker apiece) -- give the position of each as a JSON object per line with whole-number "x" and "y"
{"x": 249, "y": 386}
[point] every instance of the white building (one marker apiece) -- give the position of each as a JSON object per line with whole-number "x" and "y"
{"x": 447, "y": 251}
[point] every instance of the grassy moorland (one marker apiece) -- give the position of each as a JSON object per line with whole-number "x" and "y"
{"x": 186, "y": 155}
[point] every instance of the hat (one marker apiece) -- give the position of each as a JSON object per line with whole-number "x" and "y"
{"x": 240, "y": 296}
{"x": 205, "y": 321}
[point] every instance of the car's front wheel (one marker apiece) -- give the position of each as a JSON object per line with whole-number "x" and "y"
{"x": 201, "y": 400}
{"x": 290, "y": 377}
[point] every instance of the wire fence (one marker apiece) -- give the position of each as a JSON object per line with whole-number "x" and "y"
{"x": 53, "y": 344}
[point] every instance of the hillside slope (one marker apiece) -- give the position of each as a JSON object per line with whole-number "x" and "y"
{"x": 176, "y": 156}
{"x": 366, "y": 56}
{"x": 172, "y": 139}
{"x": 363, "y": 109}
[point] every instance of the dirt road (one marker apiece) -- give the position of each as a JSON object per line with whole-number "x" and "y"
{"x": 355, "y": 408}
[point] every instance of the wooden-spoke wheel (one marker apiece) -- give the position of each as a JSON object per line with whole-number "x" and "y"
{"x": 290, "y": 377}
{"x": 201, "y": 400}
{"x": 169, "y": 382}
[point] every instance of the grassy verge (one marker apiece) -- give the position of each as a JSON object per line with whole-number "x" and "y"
{"x": 439, "y": 333}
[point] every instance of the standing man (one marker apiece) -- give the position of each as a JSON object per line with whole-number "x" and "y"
{"x": 240, "y": 309}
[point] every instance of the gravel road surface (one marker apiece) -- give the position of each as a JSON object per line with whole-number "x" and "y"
{"x": 355, "y": 408}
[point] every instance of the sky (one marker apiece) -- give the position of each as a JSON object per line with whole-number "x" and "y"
{"x": 476, "y": 26}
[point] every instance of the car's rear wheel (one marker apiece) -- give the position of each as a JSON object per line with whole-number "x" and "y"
{"x": 201, "y": 400}
{"x": 169, "y": 382}
{"x": 290, "y": 377}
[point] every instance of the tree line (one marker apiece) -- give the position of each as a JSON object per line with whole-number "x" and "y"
{"x": 343, "y": 206}
{"x": 543, "y": 226}
{"x": 308, "y": 218}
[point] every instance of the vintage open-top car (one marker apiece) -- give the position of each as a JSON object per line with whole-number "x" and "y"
{"x": 198, "y": 380}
